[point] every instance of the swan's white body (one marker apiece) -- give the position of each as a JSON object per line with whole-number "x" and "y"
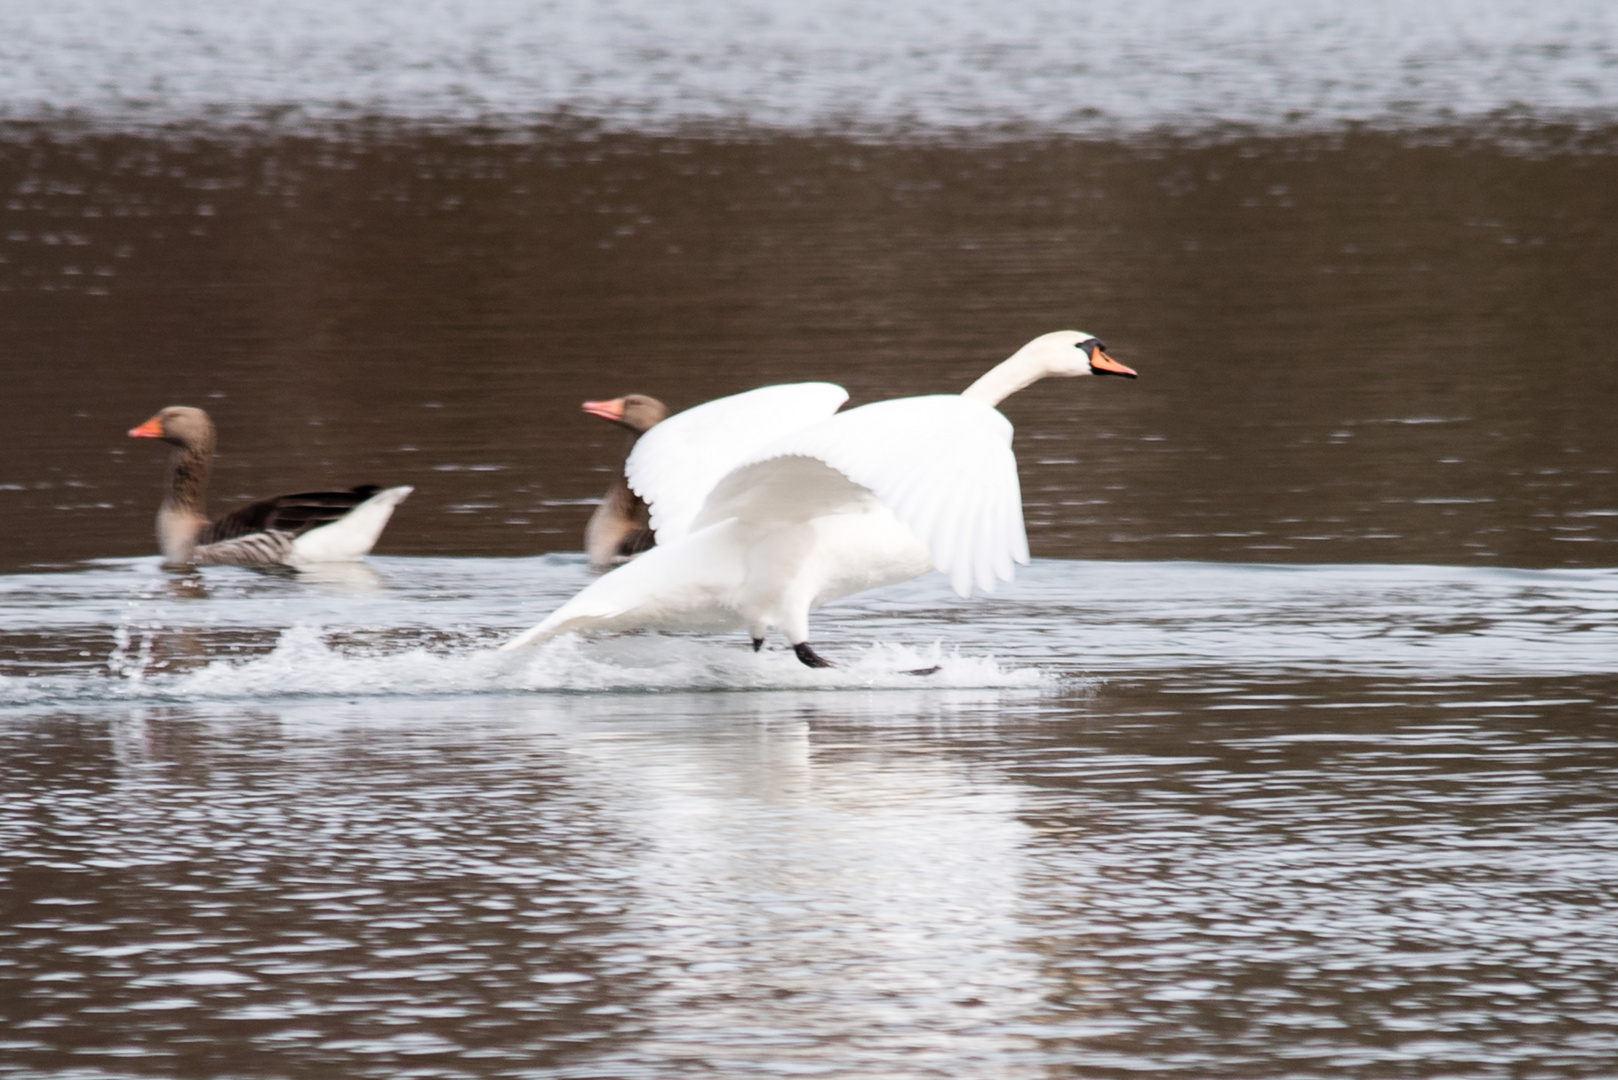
{"x": 766, "y": 505}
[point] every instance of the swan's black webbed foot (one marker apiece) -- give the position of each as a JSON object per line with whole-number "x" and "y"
{"x": 809, "y": 657}
{"x": 758, "y": 643}
{"x": 934, "y": 670}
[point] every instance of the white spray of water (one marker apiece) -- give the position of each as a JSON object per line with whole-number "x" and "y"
{"x": 304, "y": 663}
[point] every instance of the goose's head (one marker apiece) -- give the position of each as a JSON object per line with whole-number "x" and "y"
{"x": 1062, "y": 353}
{"x": 1071, "y": 352}
{"x": 637, "y": 412}
{"x": 178, "y": 424}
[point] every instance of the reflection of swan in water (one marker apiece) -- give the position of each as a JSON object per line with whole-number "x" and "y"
{"x": 841, "y": 885}
{"x": 749, "y": 861}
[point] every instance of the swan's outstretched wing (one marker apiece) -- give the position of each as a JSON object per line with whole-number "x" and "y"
{"x": 676, "y": 463}
{"x": 942, "y": 464}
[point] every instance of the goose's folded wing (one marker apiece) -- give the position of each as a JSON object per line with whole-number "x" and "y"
{"x": 292, "y": 514}
{"x": 676, "y": 464}
{"x": 264, "y": 548}
{"x": 942, "y": 464}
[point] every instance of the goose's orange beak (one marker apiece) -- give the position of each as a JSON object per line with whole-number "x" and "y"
{"x": 152, "y": 429}
{"x": 1102, "y": 364}
{"x": 607, "y": 410}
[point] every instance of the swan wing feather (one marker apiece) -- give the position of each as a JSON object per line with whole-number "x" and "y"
{"x": 942, "y": 464}
{"x": 677, "y": 463}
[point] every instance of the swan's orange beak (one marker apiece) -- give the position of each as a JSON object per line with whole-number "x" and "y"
{"x": 1102, "y": 364}
{"x": 607, "y": 410}
{"x": 152, "y": 429}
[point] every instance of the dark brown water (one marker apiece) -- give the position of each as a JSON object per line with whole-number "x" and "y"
{"x": 1353, "y": 349}
{"x": 1292, "y": 755}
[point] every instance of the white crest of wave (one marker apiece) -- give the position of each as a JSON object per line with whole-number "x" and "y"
{"x": 304, "y": 663}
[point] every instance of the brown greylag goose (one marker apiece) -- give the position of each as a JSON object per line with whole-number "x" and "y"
{"x": 286, "y": 530}
{"x": 621, "y": 526}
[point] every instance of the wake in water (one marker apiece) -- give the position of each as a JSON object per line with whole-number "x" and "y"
{"x": 304, "y": 663}
{"x": 124, "y": 631}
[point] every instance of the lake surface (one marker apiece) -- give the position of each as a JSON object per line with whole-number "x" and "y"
{"x": 1166, "y": 817}
{"x": 1352, "y": 349}
{"x": 1294, "y": 753}
{"x": 929, "y": 66}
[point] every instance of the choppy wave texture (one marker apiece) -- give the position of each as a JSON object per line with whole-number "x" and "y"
{"x": 939, "y": 65}
{"x": 126, "y": 630}
{"x": 123, "y": 630}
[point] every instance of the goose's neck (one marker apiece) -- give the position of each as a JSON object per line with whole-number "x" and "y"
{"x": 189, "y": 467}
{"x": 634, "y": 437}
{"x": 1005, "y": 379}
{"x": 183, "y": 513}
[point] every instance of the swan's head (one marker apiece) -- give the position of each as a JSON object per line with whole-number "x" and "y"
{"x": 637, "y": 412}
{"x": 178, "y": 424}
{"x": 1065, "y": 352}
{"x": 1072, "y": 352}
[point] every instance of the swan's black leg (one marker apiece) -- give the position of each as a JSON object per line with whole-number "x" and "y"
{"x": 934, "y": 670}
{"x": 809, "y": 657}
{"x": 758, "y": 643}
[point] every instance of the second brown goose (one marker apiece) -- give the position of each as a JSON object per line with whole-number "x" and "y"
{"x": 621, "y": 526}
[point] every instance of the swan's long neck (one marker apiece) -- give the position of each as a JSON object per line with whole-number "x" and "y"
{"x": 1005, "y": 378}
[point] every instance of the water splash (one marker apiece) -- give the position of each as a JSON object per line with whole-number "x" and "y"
{"x": 431, "y": 628}
{"x": 305, "y": 663}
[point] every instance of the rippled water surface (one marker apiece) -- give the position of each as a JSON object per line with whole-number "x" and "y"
{"x": 1353, "y": 349}
{"x": 1167, "y": 818}
{"x": 1293, "y": 754}
{"x": 1078, "y": 66}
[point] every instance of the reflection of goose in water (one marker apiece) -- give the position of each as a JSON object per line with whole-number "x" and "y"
{"x": 621, "y": 526}
{"x": 342, "y": 578}
{"x": 285, "y": 530}
{"x": 766, "y": 505}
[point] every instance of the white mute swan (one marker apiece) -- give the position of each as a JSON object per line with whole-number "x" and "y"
{"x": 766, "y": 505}
{"x": 621, "y": 526}
{"x": 285, "y": 530}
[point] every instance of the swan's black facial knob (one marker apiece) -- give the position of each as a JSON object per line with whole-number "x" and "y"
{"x": 1100, "y": 362}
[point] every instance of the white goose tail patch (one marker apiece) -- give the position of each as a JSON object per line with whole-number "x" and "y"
{"x": 351, "y": 536}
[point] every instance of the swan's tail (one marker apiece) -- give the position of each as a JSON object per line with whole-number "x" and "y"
{"x": 689, "y": 584}
{"x": 591, "y": 609}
